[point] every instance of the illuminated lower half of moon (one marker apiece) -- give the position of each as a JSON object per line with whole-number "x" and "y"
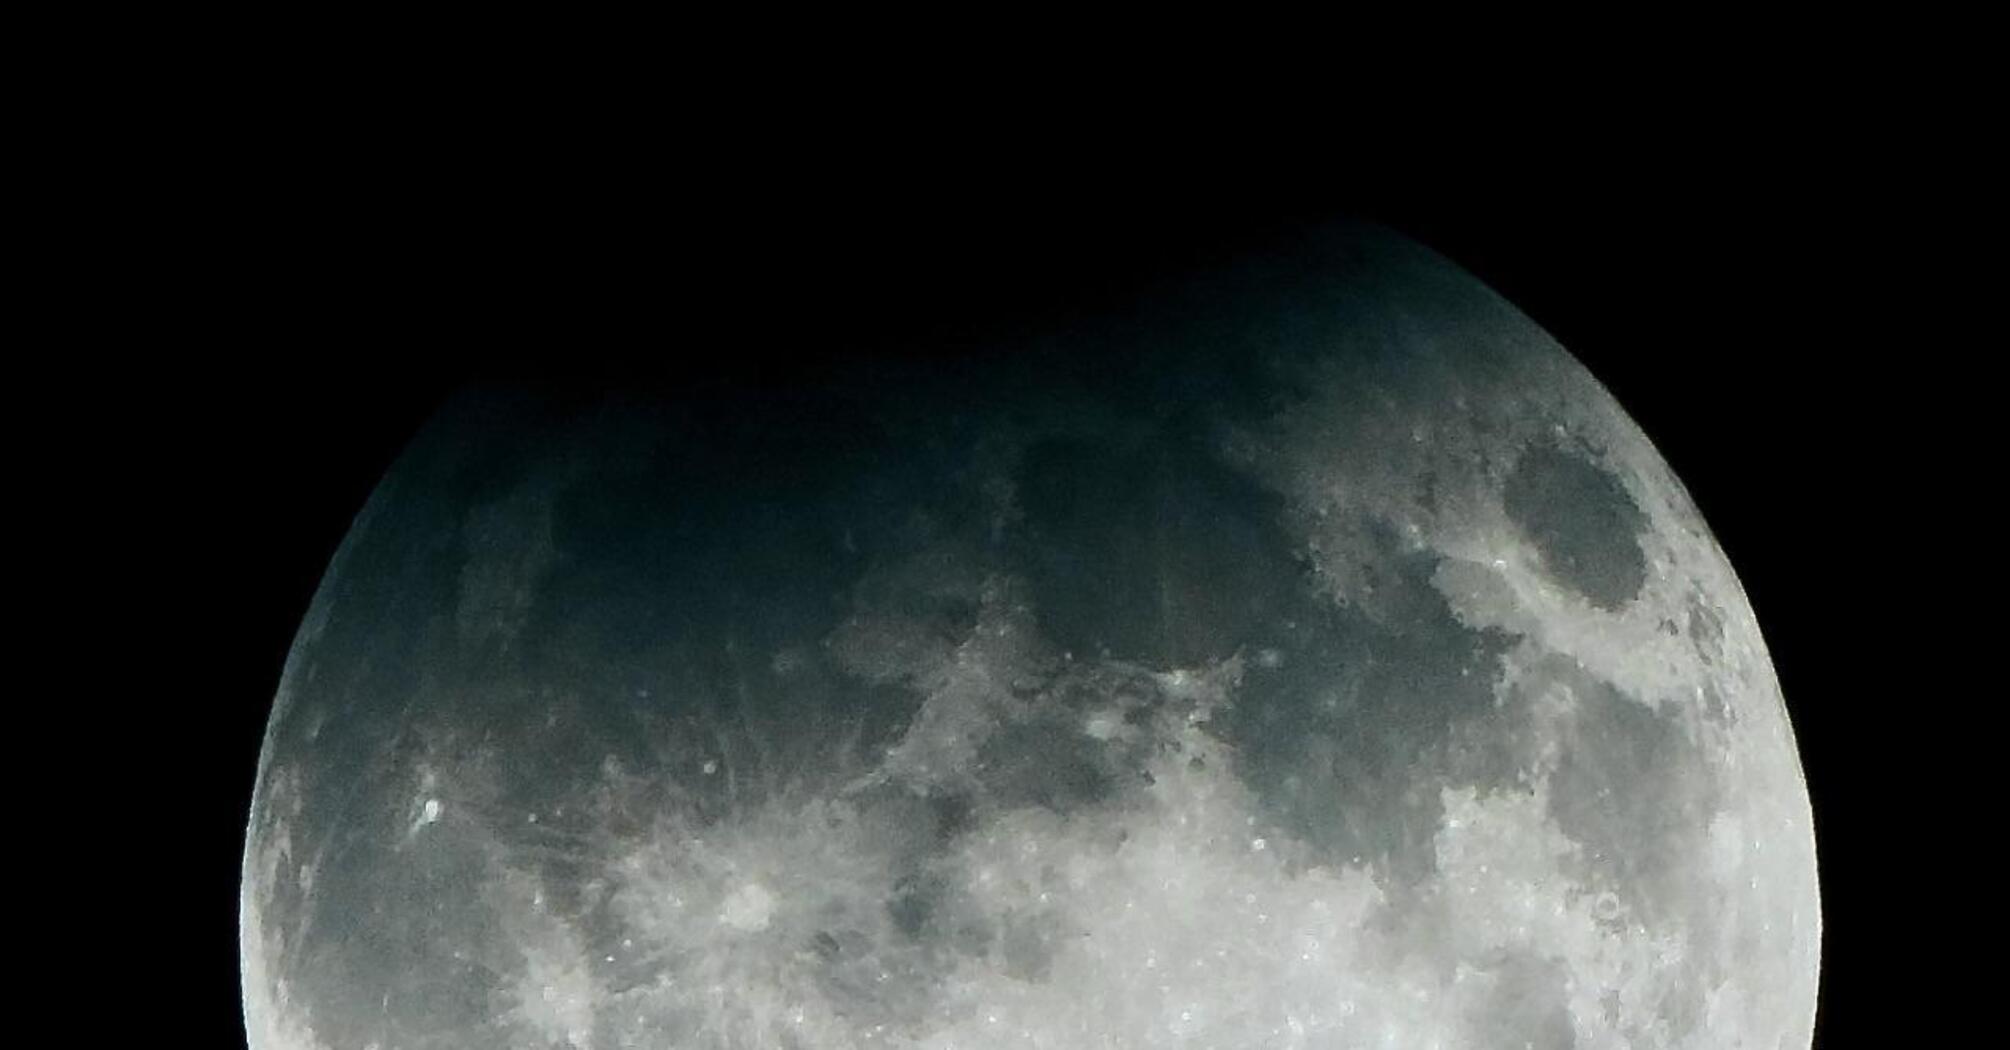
{"x": 1324, "y": 662}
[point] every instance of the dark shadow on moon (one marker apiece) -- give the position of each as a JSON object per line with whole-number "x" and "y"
{"x": 1582, "y": 520}
{"x": 1150, "y": 553}
{"x": 1348, "y": 737}
{"x": 1631, "y": 787}
{"x": 1530, "y": 999}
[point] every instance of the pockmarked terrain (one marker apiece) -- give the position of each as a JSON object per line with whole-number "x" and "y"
{"x": 1316, "y": 658}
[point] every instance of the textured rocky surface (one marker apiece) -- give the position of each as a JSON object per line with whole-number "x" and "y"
{"x": 1318, "y": 658}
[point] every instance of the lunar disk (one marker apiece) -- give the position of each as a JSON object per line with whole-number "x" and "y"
{"x": 1314, "y": 656}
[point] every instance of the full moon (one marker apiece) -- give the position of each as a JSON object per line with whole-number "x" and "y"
{"x": 1315, "y": 656}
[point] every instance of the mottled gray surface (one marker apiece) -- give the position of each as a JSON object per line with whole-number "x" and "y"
{"x": 1317, "y": 658}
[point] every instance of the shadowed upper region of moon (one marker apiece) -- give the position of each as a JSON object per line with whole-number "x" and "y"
{"x": 1313, "y": 655}
{"x": 1152, "y": 554}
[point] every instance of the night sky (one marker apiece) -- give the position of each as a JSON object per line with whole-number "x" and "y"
{"x": 336, "y": 302}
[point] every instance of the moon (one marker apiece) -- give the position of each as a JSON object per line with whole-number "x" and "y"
{"x": 1314, "y": 657}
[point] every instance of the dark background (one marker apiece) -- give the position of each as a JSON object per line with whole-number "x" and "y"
{"x": 323, "y": 300}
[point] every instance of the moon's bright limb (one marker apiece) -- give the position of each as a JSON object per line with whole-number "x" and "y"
{"x": 1324, "y": 662}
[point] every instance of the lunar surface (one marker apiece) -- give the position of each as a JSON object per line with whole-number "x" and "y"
{"x": 1314, "y": 658}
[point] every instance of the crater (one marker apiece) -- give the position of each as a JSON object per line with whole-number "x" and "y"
{"x": 1582, "y": 521}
